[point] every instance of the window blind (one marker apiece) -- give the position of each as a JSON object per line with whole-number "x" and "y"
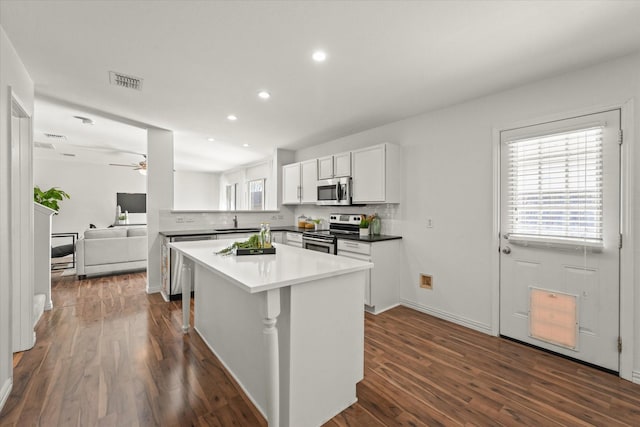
{"x": 555, "y": 185}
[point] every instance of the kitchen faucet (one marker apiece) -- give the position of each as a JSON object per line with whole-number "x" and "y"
{"x": 235, "y": 221}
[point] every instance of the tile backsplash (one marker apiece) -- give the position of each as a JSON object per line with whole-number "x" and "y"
{"x": 390, "y": 214}
{"x": 171, "y": 220}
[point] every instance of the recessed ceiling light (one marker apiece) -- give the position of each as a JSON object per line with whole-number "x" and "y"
{"x": 245, "y": 145}
{"x": 210, "y": 139}
{"x": 264, "y": 94}
{"x": 319, "y": 56}
{"x": 232, "y": 118}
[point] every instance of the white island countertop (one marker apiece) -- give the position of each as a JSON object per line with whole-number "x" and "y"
{"x": 259, "y": 273}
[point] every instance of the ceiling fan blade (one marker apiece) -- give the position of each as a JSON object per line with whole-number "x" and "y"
{"x": 118, "y": 164}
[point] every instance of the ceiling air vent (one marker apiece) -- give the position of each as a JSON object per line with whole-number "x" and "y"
{"x": 45, "y": 145}
{"x": 122, "y": 80}
{"x": 55, "y": 136}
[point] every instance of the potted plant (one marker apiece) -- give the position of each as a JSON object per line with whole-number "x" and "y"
{"x": 49, "y": 198}
{"x": 364, "y": 225}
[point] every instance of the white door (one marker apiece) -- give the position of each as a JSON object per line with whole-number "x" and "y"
{"x": 560, "y": 228}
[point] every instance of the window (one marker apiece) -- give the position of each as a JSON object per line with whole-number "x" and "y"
{"x": 256, "y": 194}
{"x": 555, "y": 186}
{"x": 231, "y": 196}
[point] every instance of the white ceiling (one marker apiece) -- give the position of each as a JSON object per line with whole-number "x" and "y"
{"x": 203, "y": 60}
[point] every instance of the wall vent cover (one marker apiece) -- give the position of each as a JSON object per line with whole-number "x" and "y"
{"x": 54, "y": 136}
{"x": 45, "y": 145}
{"x": 123, "y": 80}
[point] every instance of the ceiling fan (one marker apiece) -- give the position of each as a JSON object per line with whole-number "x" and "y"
{"x": 140, "y": 166}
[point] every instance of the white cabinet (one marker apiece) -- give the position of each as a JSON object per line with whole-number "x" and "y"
{"x": 376, "y": 174}
{"x": 299, "y": 182}
{"x": 381, "y": 291}
{"x": 291, "y": 184}
{"x": 309, "y": 185}
{"x": 335, "y": 166}
{"x": 277, "y": 237}
{"x": 293, "y": 239}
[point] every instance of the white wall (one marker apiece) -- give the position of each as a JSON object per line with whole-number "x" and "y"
{"x": 448, "y": 176}
{"x": 12, "y": 74}
{"x": 92, "y": 188}
{"x": 196, "y": 190}
{"x": 159, "y": 197}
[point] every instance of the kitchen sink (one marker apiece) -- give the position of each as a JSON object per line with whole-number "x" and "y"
{"x": 238, "y": 230}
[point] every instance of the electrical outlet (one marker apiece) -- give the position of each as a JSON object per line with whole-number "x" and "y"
{"x": 429, "y": 222}
{"x": 426, "y": 281}
{"x": 179, "y": 220}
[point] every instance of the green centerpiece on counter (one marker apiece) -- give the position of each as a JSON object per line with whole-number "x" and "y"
{"x": 253, "y": 246}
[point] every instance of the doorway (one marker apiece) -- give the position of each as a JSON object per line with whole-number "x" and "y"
{"x": 560, "y": 236}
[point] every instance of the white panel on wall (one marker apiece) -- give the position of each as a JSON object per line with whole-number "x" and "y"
{"x": 196, "y": 190}
{"x": 92, "y": 188}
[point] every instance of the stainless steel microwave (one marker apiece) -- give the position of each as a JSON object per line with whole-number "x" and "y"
{"x": 334, "y": 191}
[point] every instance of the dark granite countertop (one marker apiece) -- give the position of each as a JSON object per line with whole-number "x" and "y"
{"x": 210, "y": 231}
{"x": 370, "y": 238}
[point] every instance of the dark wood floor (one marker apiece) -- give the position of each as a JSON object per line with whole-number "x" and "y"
{"x": 108, "y": 354}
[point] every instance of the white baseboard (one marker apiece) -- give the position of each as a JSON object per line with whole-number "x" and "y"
{"x": 468, "y": 323}
{"x": 635, "y": 377}
{"x": 153, "y": 289}
{"x": 5, "y": 391}
{"x": 376, "y": 312}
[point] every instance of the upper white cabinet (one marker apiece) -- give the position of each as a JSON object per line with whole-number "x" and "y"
{"x": 291, "y": 184}
{"x": 335, "y": 166}
{"x": 309, "y": 186}
{"x": 299, "y": 182}
{"x": 376, "y": 174}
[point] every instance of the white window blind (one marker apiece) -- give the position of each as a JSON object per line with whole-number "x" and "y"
{"x": 555, "y": 186}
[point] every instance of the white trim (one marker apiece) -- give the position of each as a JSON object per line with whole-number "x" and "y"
{"x": 367, "y": 308}
{"x": 454, "y": 318}
{"x": 495, "y": 243}
{"x": 627, "y": 273}
{"x": 627, "y": 269}
{"x": 5, "y": 391}
{"x": 635, "y": 377}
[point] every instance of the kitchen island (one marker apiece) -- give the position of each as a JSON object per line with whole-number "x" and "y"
{"x": 289, "y": 327}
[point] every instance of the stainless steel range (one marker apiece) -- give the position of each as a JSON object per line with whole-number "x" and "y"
{"x": 326, "y": 240}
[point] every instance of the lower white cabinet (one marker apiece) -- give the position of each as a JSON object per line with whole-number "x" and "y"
{"x": 277, "y": 237}
{"x": 381, "y": 289}
{"x": 293, "y": 239}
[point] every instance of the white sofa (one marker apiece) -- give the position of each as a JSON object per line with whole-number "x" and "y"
{"x": 111, "y": 250}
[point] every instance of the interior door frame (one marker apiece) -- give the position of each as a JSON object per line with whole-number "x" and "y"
{"x": 627, "y": 297}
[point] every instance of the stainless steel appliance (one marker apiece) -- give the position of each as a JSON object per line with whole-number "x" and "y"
{"x": 335, "y": 191}
{"x": 170, "y": 290}
{"x": 326, "y": 241}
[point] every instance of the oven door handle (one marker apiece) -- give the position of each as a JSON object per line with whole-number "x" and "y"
{"x": 314, "y": 239}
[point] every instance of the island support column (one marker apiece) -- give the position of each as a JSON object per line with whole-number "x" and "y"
{"x": 186, "y": 290}
{"x": 270, "y": 313}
